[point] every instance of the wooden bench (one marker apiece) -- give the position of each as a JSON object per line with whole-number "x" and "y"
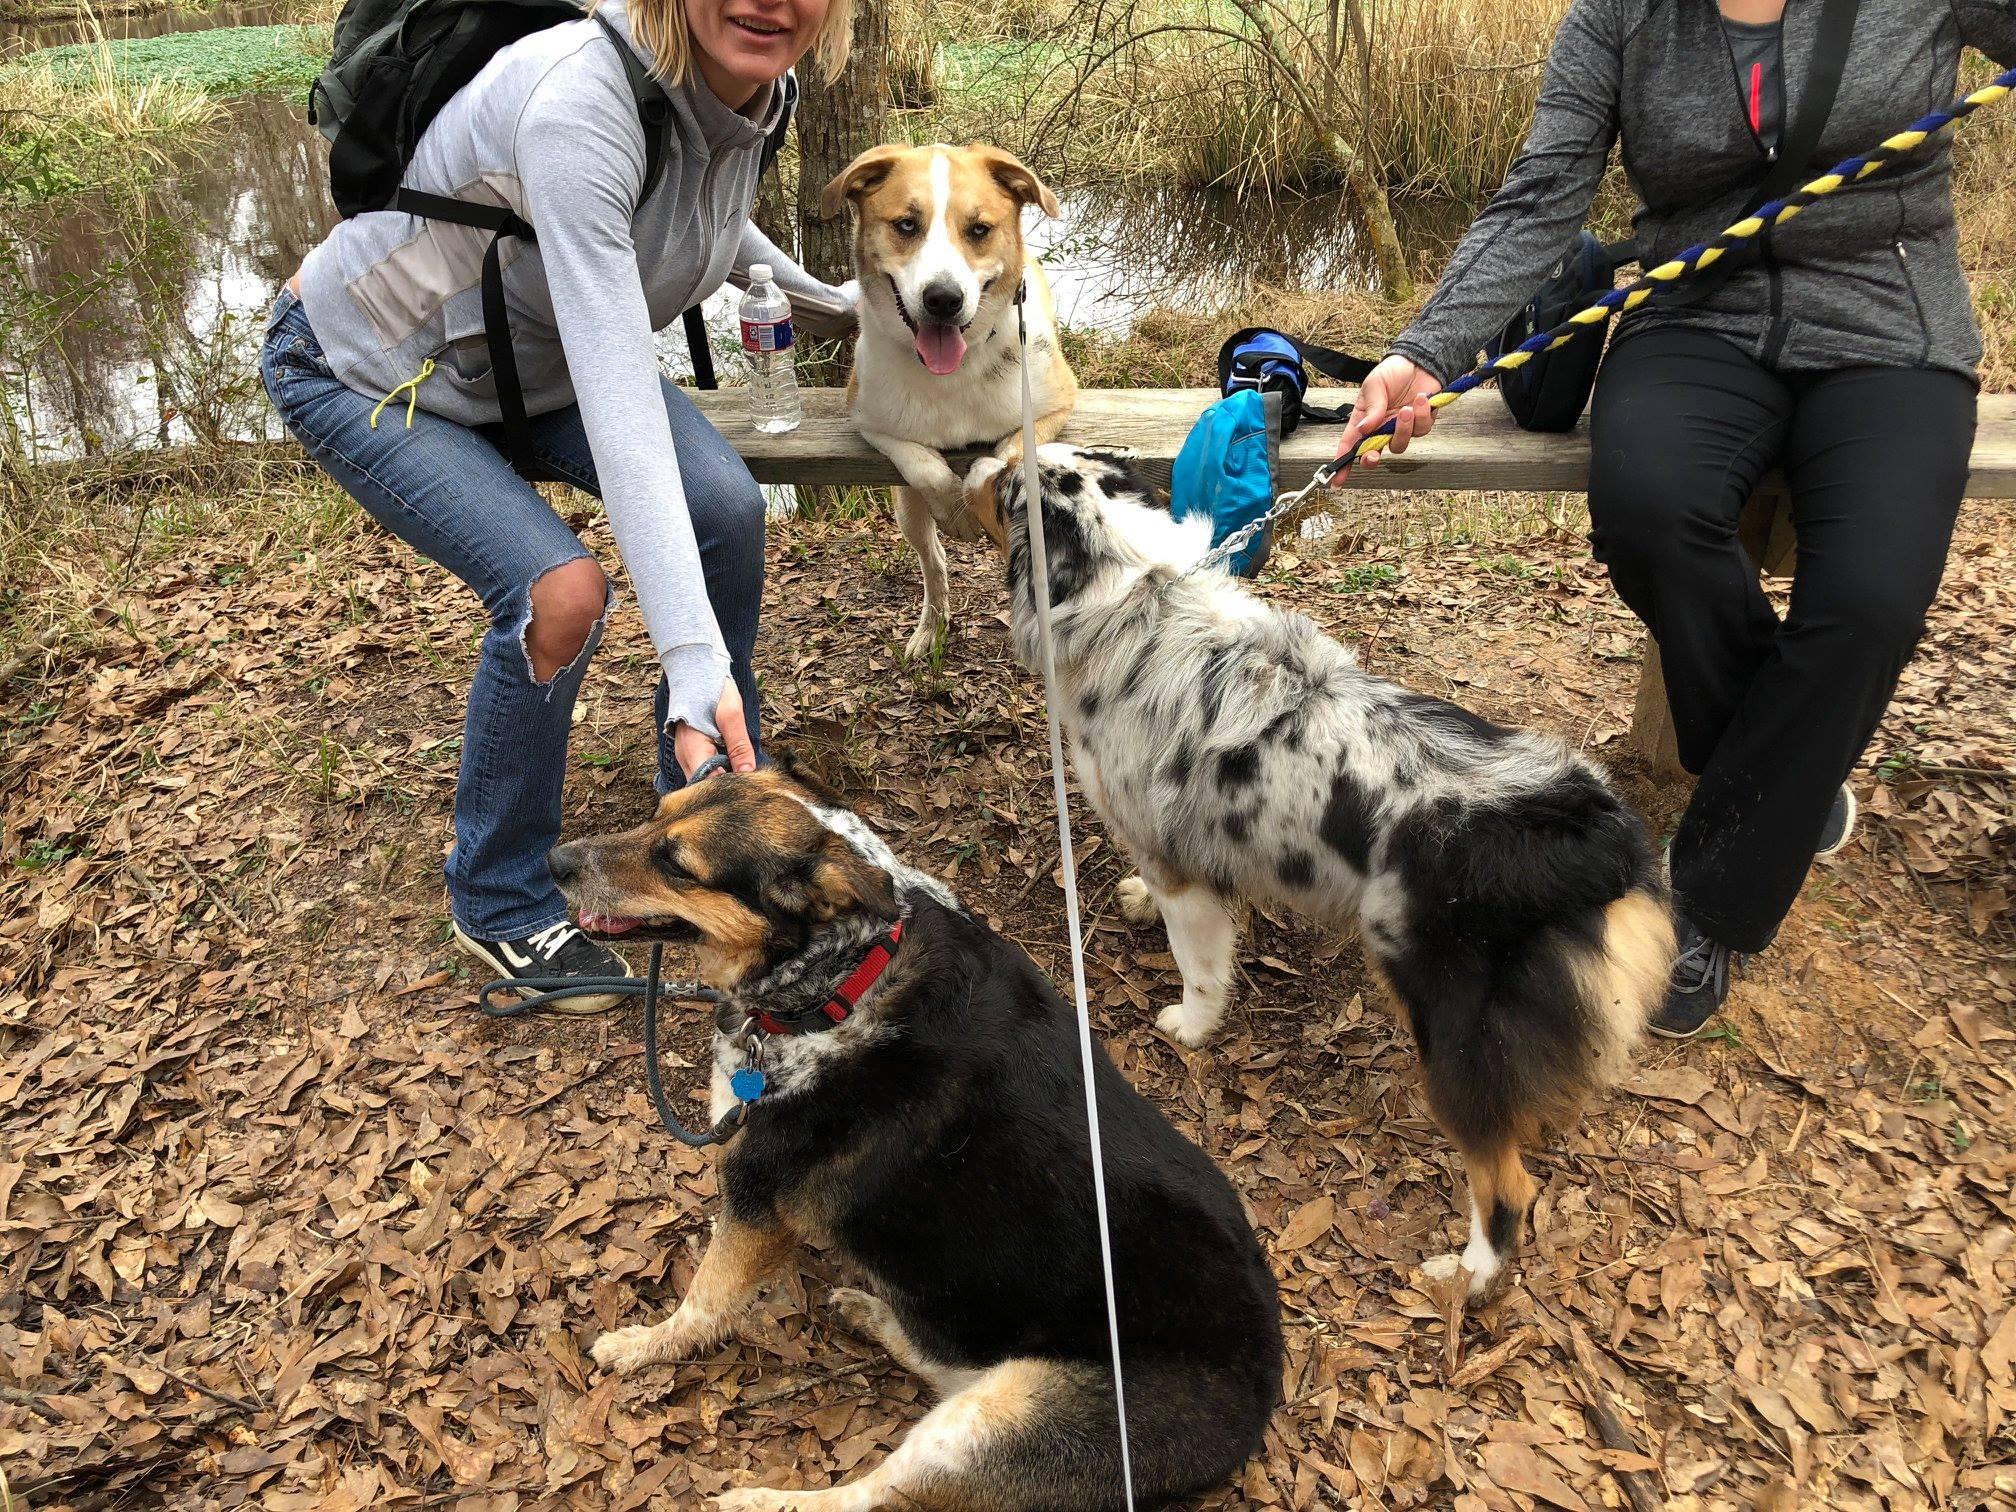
{"x": 1474, "y": 446}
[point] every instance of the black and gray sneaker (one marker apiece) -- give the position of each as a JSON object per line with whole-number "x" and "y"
{"x": 1840, "y": 823}
{"x": 558, "y": 950}
{"x": 1698, "y": 987}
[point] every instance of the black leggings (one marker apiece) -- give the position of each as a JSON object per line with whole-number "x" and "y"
{"x": 1771, "y": 716}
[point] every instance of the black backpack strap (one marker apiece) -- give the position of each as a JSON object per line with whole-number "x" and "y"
{"x": 654, "y": 111}
{"x": 773, "y": 144}
{"x": 1794, "y": 163}
{"x": 696, "y": 323}
{"x": 500, "y": 221}
{"x": 1341, "y": 366}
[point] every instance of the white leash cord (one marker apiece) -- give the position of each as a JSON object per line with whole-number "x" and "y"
{"x": 1039, "y": 589}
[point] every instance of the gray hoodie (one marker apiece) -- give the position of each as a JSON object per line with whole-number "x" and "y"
{"x": 550, "y": 128}
{"x": 1869, "y": 277}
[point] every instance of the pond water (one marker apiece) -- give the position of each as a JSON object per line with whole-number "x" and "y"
{"x": 19, "y": 36}
{"x": 164, "y": 294}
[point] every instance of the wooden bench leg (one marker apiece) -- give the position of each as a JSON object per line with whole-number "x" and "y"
{"x": 1652, "y": 735}
{"x": 1766, "y": 533}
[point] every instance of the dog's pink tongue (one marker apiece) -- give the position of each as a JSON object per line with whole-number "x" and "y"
{"x": 608, "y": 924}
{"x": 943, "y": 347}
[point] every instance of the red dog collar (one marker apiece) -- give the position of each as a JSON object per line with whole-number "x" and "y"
{"x": 840, "y": 1005}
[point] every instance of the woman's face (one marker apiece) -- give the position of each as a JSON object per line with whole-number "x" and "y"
{"x": 742, "y": 45}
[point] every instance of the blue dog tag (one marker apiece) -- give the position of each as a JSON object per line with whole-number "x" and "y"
{"x": 746, "y": 1084}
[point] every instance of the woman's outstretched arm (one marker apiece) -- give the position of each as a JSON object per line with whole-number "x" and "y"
{"x": 1542, "y": 204}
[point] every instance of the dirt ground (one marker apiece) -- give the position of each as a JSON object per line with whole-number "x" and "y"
{"x": 284, "y": 1224}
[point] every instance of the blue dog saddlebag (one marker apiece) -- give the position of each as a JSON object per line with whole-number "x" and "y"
{"x": 1227, "y": 468}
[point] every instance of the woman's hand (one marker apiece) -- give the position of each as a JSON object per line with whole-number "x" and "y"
{"x": 1397, "y": 387}
{"x": 692, "y": 747}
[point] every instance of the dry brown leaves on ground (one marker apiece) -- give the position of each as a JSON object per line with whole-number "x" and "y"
{"x": 283, "y": 1224}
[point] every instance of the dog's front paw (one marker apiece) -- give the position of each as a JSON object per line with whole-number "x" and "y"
{"x": 928, "y": 639}
{"x": 983, "y": 471}
{"x": 754, "y": 1499}
{"x": 1137, "y": 903}
{"x": 858, "y": 1310}
{"x": 1486, "y": 1277}
{"x": 624, "y": 1350}
{"x": 1184, "y": 1024}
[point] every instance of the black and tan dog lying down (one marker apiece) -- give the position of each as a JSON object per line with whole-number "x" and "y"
{"x": 1508, "y": 898}
{"x": 932, "y": 1138}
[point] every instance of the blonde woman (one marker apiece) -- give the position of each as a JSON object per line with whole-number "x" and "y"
{"x": 390, "y": 307}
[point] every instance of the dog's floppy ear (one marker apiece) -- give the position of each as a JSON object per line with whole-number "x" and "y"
{"x": 795, "y": 767}
{"x": 858, "y": 177}
{"x": 1015, "y": 176}
{"x": 844, "y": 880}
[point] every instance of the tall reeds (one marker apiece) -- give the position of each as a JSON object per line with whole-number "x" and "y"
{"x": 1194, "y": 91}
{"x": 91, "y": 123}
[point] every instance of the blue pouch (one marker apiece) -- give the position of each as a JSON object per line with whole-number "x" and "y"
{"x": 1227, "y": 469}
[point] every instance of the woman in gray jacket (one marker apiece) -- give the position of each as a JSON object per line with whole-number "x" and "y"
{"x": 390, "y": 308}
{"x": 1844, "y": 353}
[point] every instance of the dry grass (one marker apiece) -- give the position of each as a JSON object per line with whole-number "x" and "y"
{"x": 1451, "y": 87}
{"x": 93, "y": 127}
{"x": 1985, "y": 155}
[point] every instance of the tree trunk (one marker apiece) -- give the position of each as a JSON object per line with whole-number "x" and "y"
{"x": 1375, "y": 216}
{"x": 836, "y": 123}
{"x": 774, "y": 210}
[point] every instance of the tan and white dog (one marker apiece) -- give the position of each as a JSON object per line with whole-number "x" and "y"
{"x": 938, "y": 248}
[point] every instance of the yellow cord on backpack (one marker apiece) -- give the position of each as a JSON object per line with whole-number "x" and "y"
{"x": 410, "y": 388}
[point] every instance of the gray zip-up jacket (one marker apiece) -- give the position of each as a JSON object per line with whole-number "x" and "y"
{"x": 1869, "y": 277}
{"x": 550, "y": 128}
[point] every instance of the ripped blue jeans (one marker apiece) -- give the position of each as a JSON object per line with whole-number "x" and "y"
{"x": 447, "y": 491}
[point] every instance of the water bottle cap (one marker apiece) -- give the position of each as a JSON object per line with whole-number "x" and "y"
{"x": 759, "y": 272}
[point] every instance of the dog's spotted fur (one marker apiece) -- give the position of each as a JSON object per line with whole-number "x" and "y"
{"x": 1510, "y": 901}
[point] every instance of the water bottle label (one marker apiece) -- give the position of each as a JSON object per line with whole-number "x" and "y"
{"x": 766, "y": 335}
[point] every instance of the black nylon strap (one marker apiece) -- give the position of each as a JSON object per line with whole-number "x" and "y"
{"x": 501, "y": 221}
{"x": 1823, "y": 82}
{"x": 654, "y": 111}
{"x": 698, "y": 350}
{"x": 654, "y": 114}
{"x": 1342, "y": 366}
{"x": 1794, "y": 163}
{"x": 504, "y": 361}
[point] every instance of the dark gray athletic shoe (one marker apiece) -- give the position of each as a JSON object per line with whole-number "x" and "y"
{"x": 1698, "y": 987}
{"x": 1840, "y": 823}
{"x": 559, "y": 950}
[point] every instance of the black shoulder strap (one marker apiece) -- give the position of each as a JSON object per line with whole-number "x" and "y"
{"x": 1333, "y": 364}
{"x": 696, "y": 324}
{"x": 654, "y": 111}
{"x": 773, "y": 144}
{"x": 1796, "y": 148}
{"x": 1816, "y": 104}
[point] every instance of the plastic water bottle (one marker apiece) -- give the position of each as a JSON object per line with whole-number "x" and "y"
{"x": 766, "y": 342}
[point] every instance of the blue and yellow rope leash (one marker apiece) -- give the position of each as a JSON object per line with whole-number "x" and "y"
{"x": 1667, "y": 274}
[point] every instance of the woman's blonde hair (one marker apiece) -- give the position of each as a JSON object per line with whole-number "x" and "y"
{"x": 660, "y": 27}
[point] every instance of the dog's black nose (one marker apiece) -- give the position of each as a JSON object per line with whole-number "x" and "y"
{"x": 944, "y": 301}
{"x": 563, "y": 863}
